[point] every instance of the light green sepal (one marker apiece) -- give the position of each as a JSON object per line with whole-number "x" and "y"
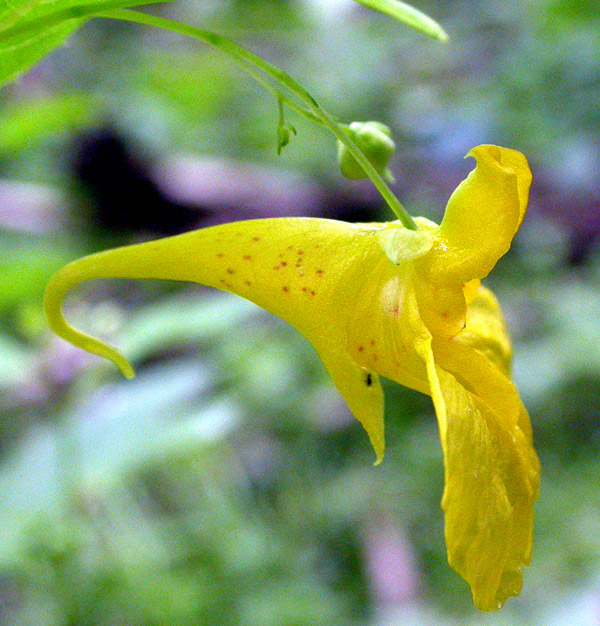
{"x": 401, "y": 244}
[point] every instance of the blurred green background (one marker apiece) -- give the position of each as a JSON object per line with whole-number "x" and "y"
{"x": 228, "y": 483}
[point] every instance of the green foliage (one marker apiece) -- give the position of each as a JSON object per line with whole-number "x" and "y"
{"x": 33, "y": 28}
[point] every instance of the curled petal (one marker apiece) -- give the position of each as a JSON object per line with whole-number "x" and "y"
{"x": 482, "y": 216}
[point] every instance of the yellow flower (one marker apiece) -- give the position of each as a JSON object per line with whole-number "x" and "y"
{"x": 379, "y": 299}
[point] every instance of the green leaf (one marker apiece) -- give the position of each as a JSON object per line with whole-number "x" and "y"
{"x": 409, "y": 15}
{"x": 30, "y": 29}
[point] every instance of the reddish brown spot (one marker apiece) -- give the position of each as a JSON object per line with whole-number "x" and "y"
{"x": 220, "y": 255}
{"x": 361, "y": 348}
{"x": 374, "y": 357}
{"x": 396, "y": 310}
{"x": 300, "y": 251}
{"x": 221, "y": 281}
{"x": 230, "y": 270}
{"x": 304, "y": 289}
{"x": 255, "y": 238}
{"x": 283, "y": 264}
{"x": 372, "y": 342}
{"x": 276, "y": 268}
{"x": 445, "y": 315}
{"x": 247, "y": 257}
{"x": 286, "y": 288}
{"x": 247, "y": 283}
{"x": 319, "y": 272}
{"x": 313, "y": 293}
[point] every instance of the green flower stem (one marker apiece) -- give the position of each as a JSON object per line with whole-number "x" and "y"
{"x": 281, "y": 97}
{"x": 249, "y": 61}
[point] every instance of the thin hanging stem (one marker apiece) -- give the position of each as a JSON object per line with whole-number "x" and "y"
{"x": 250, "y": 63}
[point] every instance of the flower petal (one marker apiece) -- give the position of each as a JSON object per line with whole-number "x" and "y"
{"x": 488, "y": 496}
{"x": 307, "y": 271}
{"x": 491, "y": 469}
{"x": 482, "y": 216}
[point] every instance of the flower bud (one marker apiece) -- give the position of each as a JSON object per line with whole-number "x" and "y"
{"x": 375, "y": 141}
{"x": 284, "y": 134}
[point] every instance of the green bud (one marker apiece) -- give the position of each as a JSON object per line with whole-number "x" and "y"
{"x": 375, "y": 141}
{"x": 284, "y": 130}
{"x": 284, "y": 134}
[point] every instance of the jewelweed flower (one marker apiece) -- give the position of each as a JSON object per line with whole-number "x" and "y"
{"x": 383, "y": 300}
